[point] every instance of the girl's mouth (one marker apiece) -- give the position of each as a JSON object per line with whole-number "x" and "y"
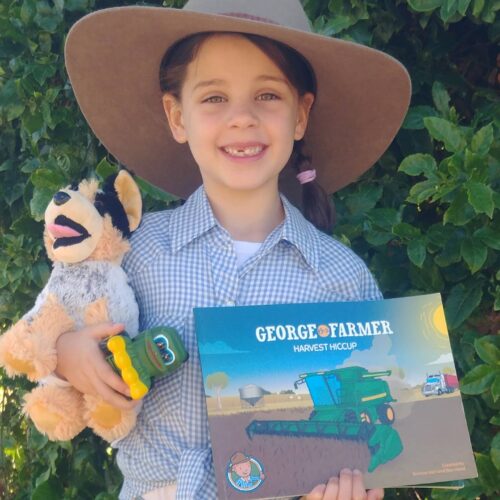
{"x": 244, "y": 151}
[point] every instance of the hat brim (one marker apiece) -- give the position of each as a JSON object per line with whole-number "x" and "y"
{"x": 113, "y": 58}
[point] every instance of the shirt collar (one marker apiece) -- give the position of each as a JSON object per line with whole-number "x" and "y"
{"x": 191, "y": 220}
{"x": 196, "y": 217}
{"x": 301, "y": 234}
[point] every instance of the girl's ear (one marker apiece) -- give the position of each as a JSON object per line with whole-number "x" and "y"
{"x": 305, "y": 104}
{"x": 173, "y": 111}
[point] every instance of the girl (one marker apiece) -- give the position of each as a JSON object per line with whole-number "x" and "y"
{"x": 244, "y": 87}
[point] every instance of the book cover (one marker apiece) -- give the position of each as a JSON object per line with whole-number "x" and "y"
{"x": 296, "y": 392}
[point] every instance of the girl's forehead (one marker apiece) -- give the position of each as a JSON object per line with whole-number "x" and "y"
{"x": 226, "y": 55}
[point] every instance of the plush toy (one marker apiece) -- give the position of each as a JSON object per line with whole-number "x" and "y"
{"x": 86, "y": 236}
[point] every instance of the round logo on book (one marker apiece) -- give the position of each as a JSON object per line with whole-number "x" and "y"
{"x": 244, "y": 472}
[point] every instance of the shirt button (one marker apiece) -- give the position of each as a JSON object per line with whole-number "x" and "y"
{"x": 230, "y": 303}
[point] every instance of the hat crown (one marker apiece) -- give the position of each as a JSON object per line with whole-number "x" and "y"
{"x": 287, "y": 13}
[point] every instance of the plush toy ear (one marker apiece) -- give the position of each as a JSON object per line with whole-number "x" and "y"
{"x": 130, "y": 197}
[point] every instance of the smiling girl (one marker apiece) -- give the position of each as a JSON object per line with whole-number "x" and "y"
{"x": 217, "y": 103}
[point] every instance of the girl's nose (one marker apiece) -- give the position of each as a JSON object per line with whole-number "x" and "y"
{"x": 243, "y": 115}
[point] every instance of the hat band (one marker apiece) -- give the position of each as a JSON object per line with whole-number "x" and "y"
{"x": 250, "y": 17}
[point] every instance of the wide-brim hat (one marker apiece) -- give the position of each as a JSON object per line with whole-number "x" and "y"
{"x": 113, "y": 58}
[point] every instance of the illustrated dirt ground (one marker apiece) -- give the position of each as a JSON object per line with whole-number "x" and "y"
{"x": 431, "y": 450}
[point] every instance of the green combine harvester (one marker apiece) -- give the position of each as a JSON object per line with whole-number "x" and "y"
{"x": 349, "y": 403}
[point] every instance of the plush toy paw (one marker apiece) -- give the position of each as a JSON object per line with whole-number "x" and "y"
{"x": 28, "y": 348}
{"x": 56, "y": 411}
{"x": 107, "y": 421}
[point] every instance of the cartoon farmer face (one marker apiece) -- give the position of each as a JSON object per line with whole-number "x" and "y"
{"x": 240, "y": 464}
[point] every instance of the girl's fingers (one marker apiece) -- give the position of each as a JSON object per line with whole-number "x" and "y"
{"x": 317, "y": 493}
{"x": 112, "y": 397}
{"x": 345, "y": 485}
{"x": 103, "y": 330}
{"x": 112, "y": 379}
{"x": 358, "y": 486}
{"x": 375, "y": 494}
{"x": 332, "y": 489}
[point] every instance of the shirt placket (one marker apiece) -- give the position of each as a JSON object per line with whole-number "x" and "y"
{"x": 224, "y": 267}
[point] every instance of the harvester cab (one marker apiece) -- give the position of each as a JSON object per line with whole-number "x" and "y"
{"x": 349, "y": 403}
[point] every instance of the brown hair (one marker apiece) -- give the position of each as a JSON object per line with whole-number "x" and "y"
{"x": 316, "y": 205}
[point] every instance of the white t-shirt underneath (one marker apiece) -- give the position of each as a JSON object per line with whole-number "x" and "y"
{"x": 244, "y": 250}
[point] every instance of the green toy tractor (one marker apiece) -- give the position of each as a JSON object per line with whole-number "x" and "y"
{"x": 150, "y": 354}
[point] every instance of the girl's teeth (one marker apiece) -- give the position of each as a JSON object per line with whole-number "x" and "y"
{"x": 251, "y": 151}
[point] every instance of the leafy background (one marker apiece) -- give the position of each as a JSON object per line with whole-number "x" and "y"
{"x": 425, "y": 218}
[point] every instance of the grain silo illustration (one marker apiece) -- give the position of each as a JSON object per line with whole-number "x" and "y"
{"x": 251, "y": 395}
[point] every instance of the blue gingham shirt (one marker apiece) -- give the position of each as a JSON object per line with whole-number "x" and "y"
{"x": 181, "y": 259}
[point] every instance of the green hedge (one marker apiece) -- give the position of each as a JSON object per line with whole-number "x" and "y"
{"x": 425, "y": 218}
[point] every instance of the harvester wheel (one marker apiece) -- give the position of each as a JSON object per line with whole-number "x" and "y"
{"x": 386, "y": 414}
{"x": 365, "y": 417}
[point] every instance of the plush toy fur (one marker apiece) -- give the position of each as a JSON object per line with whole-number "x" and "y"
{"x": 86, "y": 231}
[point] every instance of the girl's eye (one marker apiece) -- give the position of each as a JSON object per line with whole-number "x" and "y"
{"x": 268, "y": 96}
{"x": 214, "y": 99}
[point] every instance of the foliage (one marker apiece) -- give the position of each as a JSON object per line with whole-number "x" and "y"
{"x": 425, "y": 218}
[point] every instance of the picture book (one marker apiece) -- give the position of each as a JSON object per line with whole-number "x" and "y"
{"x": 296, "y": 392}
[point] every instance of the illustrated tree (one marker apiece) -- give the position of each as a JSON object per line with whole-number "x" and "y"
{"x": 217, "y": 382}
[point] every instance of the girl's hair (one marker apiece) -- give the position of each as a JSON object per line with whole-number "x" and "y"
{"x": 316, "y": 205}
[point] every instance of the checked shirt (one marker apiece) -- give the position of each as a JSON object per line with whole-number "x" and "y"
{"x": 181, "y": 259}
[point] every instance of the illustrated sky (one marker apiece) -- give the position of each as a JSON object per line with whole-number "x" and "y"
{"x": 227, "y": 342}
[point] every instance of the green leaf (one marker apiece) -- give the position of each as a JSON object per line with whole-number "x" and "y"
{"x": 459, "y": 212}
{"x": 441, "y": 98}
{"x": 417, "y": 251}
{"x": 405, "y": 230}
{"x": 104, "y": 169}
{"x": 41, "y": 273}
{"x": 495, "y": 388}
{"x": 422, "y": 191}
{"x": 495, "y": 451}
{"x": 488, "y": 349}
{"x": 384, "y": 218}
{"x": 461, "y": 302}
{"x": 414, "y": 119}
{"x": 446, "y": 132}
{"x": 489, "y": 236}
{"x": 418, "y": 164}
{"x": 448, "y": 9}
{"x": 495, "y": 420}
{"x": 41, "y": 198}
{"x": 480, "y": 196}
{"x": 488, "y": 475}
{"x": 463, "y": 5}
{"x": 478, "y": 379}
{"x": 154, "y": 192}
{"x": 424, "y": 5}
{"x": 478, "y": 7}
{"x": 474, "y": 253}
{"x": 45, "y": 178}
{"x": 48, "y": 490}
{"x": 364, "y": 198}
{"x": 482, "y": 140}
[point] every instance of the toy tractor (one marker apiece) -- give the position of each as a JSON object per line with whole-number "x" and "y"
{"x": 150, "y": 354}
{"x": 349, "y": 403}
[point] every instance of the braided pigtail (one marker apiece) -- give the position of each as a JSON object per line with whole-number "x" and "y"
{"x": 316, "y": 204}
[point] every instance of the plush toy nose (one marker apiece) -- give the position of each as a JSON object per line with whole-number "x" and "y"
{"x": 60, "y": 198}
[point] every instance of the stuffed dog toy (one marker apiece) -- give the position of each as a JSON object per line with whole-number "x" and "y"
{"x": 86, "y": 236}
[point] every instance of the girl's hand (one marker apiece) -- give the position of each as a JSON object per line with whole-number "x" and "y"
{"x": 81, "y": 362}
{"x": 349, "y": 486}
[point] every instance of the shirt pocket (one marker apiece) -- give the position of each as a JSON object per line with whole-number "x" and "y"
{"x": 164, "y": 396}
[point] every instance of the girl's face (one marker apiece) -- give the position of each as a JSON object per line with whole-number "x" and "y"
{"x": 239, "y": 115}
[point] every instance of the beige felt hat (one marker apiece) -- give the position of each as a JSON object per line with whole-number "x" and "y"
{"x": 113, "y": 58}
